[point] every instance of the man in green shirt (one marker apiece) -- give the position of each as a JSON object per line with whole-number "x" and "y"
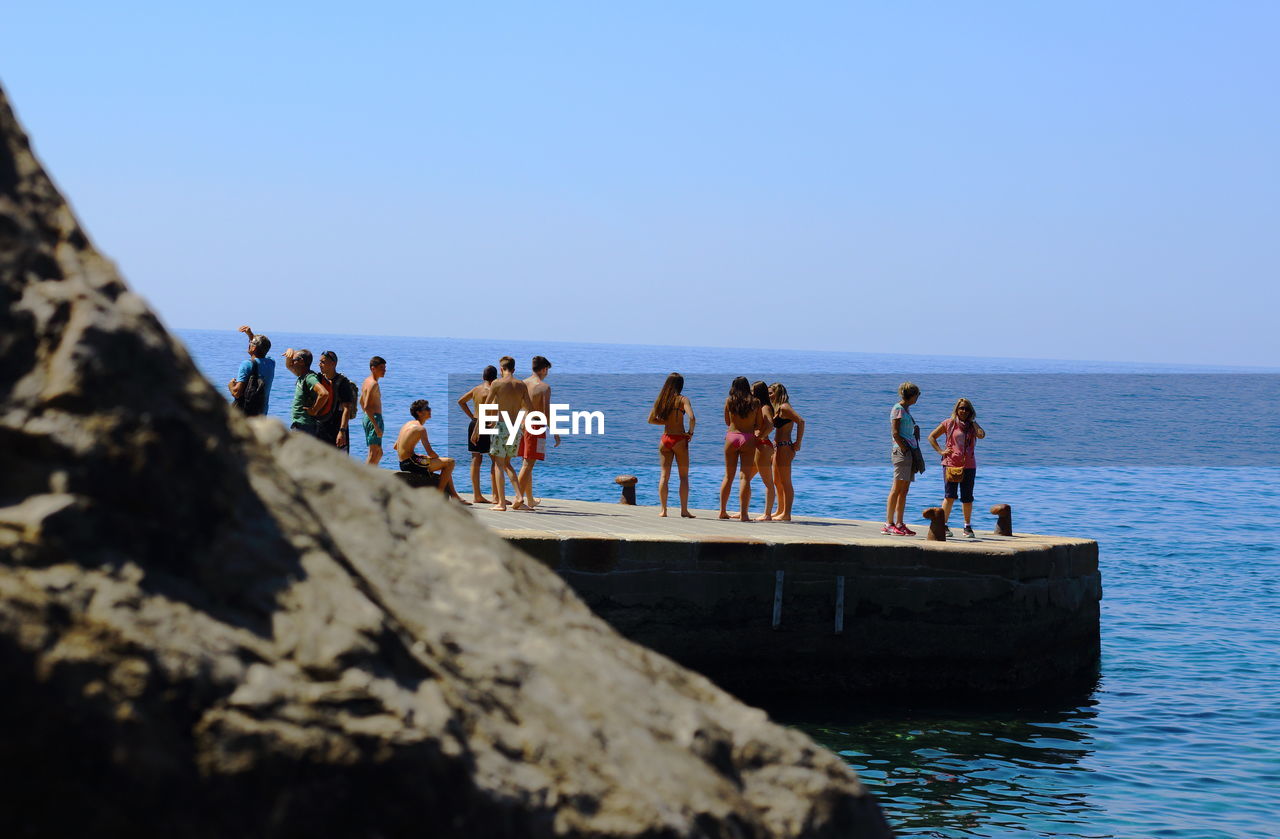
{"x": 311, "y": 397}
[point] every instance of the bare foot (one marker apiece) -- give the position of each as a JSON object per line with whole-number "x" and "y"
{"x": 765, "y": 517}
{"x": 744, "y": 517}
{"x": 520, "y": 505}
{"x": 533, "y": 502}
{"x": 784, "y": 518}
{"x": 501, "y": 508}
{"x": 460, "y": 500}
{"x": 480, "y": 499}
{"x": 685, "y": 514}
{"x": 663, "y": 514}
{"x": 723, "y": 515}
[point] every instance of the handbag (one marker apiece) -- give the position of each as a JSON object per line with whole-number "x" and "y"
{"x": 955, "y": 474}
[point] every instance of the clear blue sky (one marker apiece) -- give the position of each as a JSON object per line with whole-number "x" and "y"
{"x": 1094, "y": 180}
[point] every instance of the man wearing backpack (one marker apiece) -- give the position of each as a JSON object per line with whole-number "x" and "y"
{"x": 333, "y": 425}
{"x": 251, "y": 388}
{"x": 311, "y": 395}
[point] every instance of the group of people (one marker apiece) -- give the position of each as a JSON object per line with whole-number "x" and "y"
{"x": 325, "y": 403}
{"x": 960, "y": 433}
{"x": 500, "y": 387}
{"x": 760, "y": 423}
{"x": 764, "y": 433}
{"x": 759, "y": 441}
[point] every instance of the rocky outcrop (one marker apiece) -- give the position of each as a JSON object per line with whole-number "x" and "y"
{"x": 209, "y": 628}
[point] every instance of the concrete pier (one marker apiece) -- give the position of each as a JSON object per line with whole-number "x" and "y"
{"x": 827, "y": 609}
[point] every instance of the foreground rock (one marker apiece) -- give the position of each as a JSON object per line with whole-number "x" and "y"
{"x": 207, "y": 629}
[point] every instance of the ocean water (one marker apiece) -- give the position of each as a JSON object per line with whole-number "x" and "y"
{"x": 1171, "y": 469}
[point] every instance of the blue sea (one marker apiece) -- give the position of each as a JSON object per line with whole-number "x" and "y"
{"x": 1173, "y": 470}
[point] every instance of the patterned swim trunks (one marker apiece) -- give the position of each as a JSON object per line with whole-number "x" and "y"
{"x": 498, "y": 446}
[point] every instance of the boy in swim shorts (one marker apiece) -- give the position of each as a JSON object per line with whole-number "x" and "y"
{"x": 371, "y": 404}
{"x": 499, "y": 448}
{"x": 415, "y": 431}
{"x": 533, "y": 447}
{"x": 509, "y": 396}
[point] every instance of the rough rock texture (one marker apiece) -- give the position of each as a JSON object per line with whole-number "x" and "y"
{"x": 207, "y": 629}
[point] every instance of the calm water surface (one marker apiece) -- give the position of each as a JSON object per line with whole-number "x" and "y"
{"x": 1180, "y": 738}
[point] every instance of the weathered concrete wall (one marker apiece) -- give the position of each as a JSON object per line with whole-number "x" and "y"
{"x": 916, "y": 621}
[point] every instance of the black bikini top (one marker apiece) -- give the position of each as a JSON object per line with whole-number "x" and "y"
{"x": 778, "y": 422}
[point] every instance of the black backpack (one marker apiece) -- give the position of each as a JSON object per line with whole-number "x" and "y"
{"x": 252, "y": 400}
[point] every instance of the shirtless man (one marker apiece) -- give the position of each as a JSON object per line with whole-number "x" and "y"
{"x": 371, "y": 404}
{"x": 511, "y": 396}
{"x": 533, "y": 447}
{"x": 413, "y": 432}
{"x": 478, "y": 447}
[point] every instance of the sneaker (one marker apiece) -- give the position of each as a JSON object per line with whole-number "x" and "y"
{"x": 968, "y": 531}
{"x": 949, "y": 533}
{"x": 906, "y": 531}
{"x": 889, "y": 530}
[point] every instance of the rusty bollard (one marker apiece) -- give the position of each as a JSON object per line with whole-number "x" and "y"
{"x": 1004, "y": 519}
{"x": 937, "y": 524}
{"x": 628, "y": 484}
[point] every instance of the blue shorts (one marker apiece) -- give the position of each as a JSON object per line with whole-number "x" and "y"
{"x": 964, "y": 486}
{"x": 373, "y": 428}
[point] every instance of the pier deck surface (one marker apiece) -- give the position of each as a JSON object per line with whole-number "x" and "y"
{"x": 560, "y": 519}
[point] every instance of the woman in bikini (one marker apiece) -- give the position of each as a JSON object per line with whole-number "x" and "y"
{"x": 763, "y": 463}
{"x": 741, "y": 415}
{"x": 669, "y": 411}
{"x": 784, "y": 416}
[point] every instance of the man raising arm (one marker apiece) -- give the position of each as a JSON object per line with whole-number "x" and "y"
{"x": 259, "y": 346}
{"x": 311, "y": 397}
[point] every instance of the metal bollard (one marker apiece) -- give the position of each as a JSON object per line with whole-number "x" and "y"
{"x": 937, "y": 524}
{"x": 1004, "y": 519}
{"x": 628, "y": 484}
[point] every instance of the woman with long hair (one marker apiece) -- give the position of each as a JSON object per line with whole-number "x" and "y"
{"x": 906, "y": 448}
{"x": 669, "y": 411}
{"x": 741, "y": 415}
{"x": 784, "y": 416}
{"x": 764, "y": 448}
{"x": 963, "y": 433}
